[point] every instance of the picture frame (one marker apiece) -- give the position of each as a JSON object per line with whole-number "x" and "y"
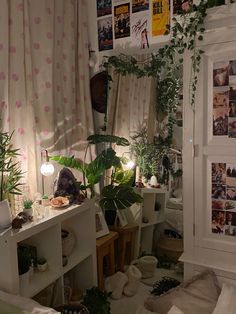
{"x": 101, "y": 225}
{"x": 122, "y": 217}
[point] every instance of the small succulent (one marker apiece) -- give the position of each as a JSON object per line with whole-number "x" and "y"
{"x": 27, "y": 204}
{"x": 41, "y": 261}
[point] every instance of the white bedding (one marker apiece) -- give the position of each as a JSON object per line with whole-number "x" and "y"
{"x": 29, "y": 306}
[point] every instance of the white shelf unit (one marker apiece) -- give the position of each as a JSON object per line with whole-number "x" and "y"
{"x": 45, "y": 235}
{"x": 152, "y": 198}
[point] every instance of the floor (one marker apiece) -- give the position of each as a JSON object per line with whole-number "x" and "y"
{"x": 129, "y": 305}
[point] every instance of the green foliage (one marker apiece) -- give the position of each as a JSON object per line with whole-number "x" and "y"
{"x": 118, "y": 197}
{"x": 27, "y": 204}
{"x": 104, "y": 138}
{"x": 96, "y": 301}
{"x": 165, "y": 64}
{"x": 94, "y": 171}
{"x": 10, "y": 172}
{"x": 41, "y": 261}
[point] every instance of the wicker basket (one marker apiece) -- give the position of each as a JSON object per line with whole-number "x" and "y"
{"x": 170, "y": 247}
{"x": 75, "y": 309}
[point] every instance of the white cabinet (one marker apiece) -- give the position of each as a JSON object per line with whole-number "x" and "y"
{"x": 209, "y": 150}
{"x": 45, "y": 235}
{"x": 147, "y": 215}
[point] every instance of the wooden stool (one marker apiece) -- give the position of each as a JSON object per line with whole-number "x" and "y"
{"x": 105, "y": 249}
{"x": 126, "y": 243}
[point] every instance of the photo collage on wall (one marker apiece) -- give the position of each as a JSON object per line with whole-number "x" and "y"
{"x": 134, "y": 21}
{"x": 223, "y": 198}
{"x": 224, "y": 98}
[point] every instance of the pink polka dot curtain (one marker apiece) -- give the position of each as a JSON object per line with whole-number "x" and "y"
{"x": 44, "y": 79}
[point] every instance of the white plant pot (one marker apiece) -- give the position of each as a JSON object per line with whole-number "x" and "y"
{"x": 28, "y": 211}
{"x": 5, "y": 215}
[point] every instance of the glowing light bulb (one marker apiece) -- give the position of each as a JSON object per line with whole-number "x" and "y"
{"x": 47, "y": 169}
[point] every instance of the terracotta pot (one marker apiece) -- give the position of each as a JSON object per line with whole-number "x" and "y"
{"x": 5, "y": 215}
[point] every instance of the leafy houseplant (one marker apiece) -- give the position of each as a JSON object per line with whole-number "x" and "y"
{"x": 96, "y": 301}
{"x": 10, "y": 176}
{"x": 119, "y": 194}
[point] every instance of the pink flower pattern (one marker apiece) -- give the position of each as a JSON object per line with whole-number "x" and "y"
{"x": 42, "y": 88}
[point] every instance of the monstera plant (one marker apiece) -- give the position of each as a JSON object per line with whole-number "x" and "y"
{"x": 119, "y": 194}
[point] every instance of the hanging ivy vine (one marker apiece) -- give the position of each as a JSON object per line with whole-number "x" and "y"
{"x": 165, "y": 67}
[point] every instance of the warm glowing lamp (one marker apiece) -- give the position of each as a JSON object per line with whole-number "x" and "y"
{"x": 47, "y": 168}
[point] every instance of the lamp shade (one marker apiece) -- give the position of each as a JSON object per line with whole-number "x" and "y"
{"x": 47, "y": 169}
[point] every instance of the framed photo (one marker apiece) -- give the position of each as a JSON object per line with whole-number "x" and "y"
{"x": 101, "y": 225}
{"x": 122, "y": 217}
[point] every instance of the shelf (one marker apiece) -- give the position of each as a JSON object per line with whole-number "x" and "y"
{"x": 75, "y": 259}
{"x": 39, "y": 281}
{"x": 45, "y": 236}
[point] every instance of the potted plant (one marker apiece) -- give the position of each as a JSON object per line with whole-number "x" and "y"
{"x": 42, "y": 264}
{"x": 119, "y": 194}
{"x": 10, "y": 177}
{"x": 27, "y": 207}
{"x": 96, "y": 301}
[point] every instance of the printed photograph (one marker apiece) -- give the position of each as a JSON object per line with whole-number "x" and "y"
{"x": 220, "y": 73}
{"x": 218, "y": 173}
{"x": 231, "y": 175}
{"x": 230, "y": 223}
{"x": 220, "y": 97}
{"x": 122, "y": 20}
{"x": 105, "y": 36}
{"x": 232, "y": 87}
{"x": 139, "y": 5}
{"x": 140, "y": 30}
{"x": 232, "y": 127}
{"x": 218, "y": 221}
{"x": 218, "y": 192}
{"x": 220, "y": 121}
{"x": 232, "y": 108}
{"x": 104, "y": 7}
{"x": 230, "y": 205}
{"x": 232, "y": 67}
{"x": 218, "y": 204}
{"x": 231, "y": 194}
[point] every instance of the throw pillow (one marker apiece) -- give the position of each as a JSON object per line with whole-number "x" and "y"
{"x": 198, "y": 295}
{"x": 226, "y": 302}
{"x": 175, "y": 310}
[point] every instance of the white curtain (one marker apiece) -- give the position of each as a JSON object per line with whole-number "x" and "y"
{"x": 131, "y": 104}
{"x": 44, "y": 79}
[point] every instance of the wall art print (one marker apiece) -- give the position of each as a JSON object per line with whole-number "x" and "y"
{"x": 105, "y": 35}
{"x": 122, "y": 20}
{"x": 104, "y": 7}
{"x": 140, "y": 5}
{"x": 224, "y": 98}
{"x": 160, "y": 17}
{"x": 223, "y": 198}
{"x": 140, "y": 30}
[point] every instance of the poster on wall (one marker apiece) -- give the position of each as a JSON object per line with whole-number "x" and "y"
{"x": 223, "y": 218}
{"x": 104, "y": 7}
{"x": 122, "y": 20}
{"x": 160, "y": 17}
{"x": 224, "y": 98}
{"x": 140, "y": 30}
{"x": 105, "y": 35}
{"x": 140, "y": 5}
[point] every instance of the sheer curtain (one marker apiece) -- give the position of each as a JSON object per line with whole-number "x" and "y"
{"x": 44, "y": 79}
{"x": 131, "y": 105}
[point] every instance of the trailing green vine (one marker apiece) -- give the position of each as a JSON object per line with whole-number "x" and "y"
{"x": 165, "y": 67}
